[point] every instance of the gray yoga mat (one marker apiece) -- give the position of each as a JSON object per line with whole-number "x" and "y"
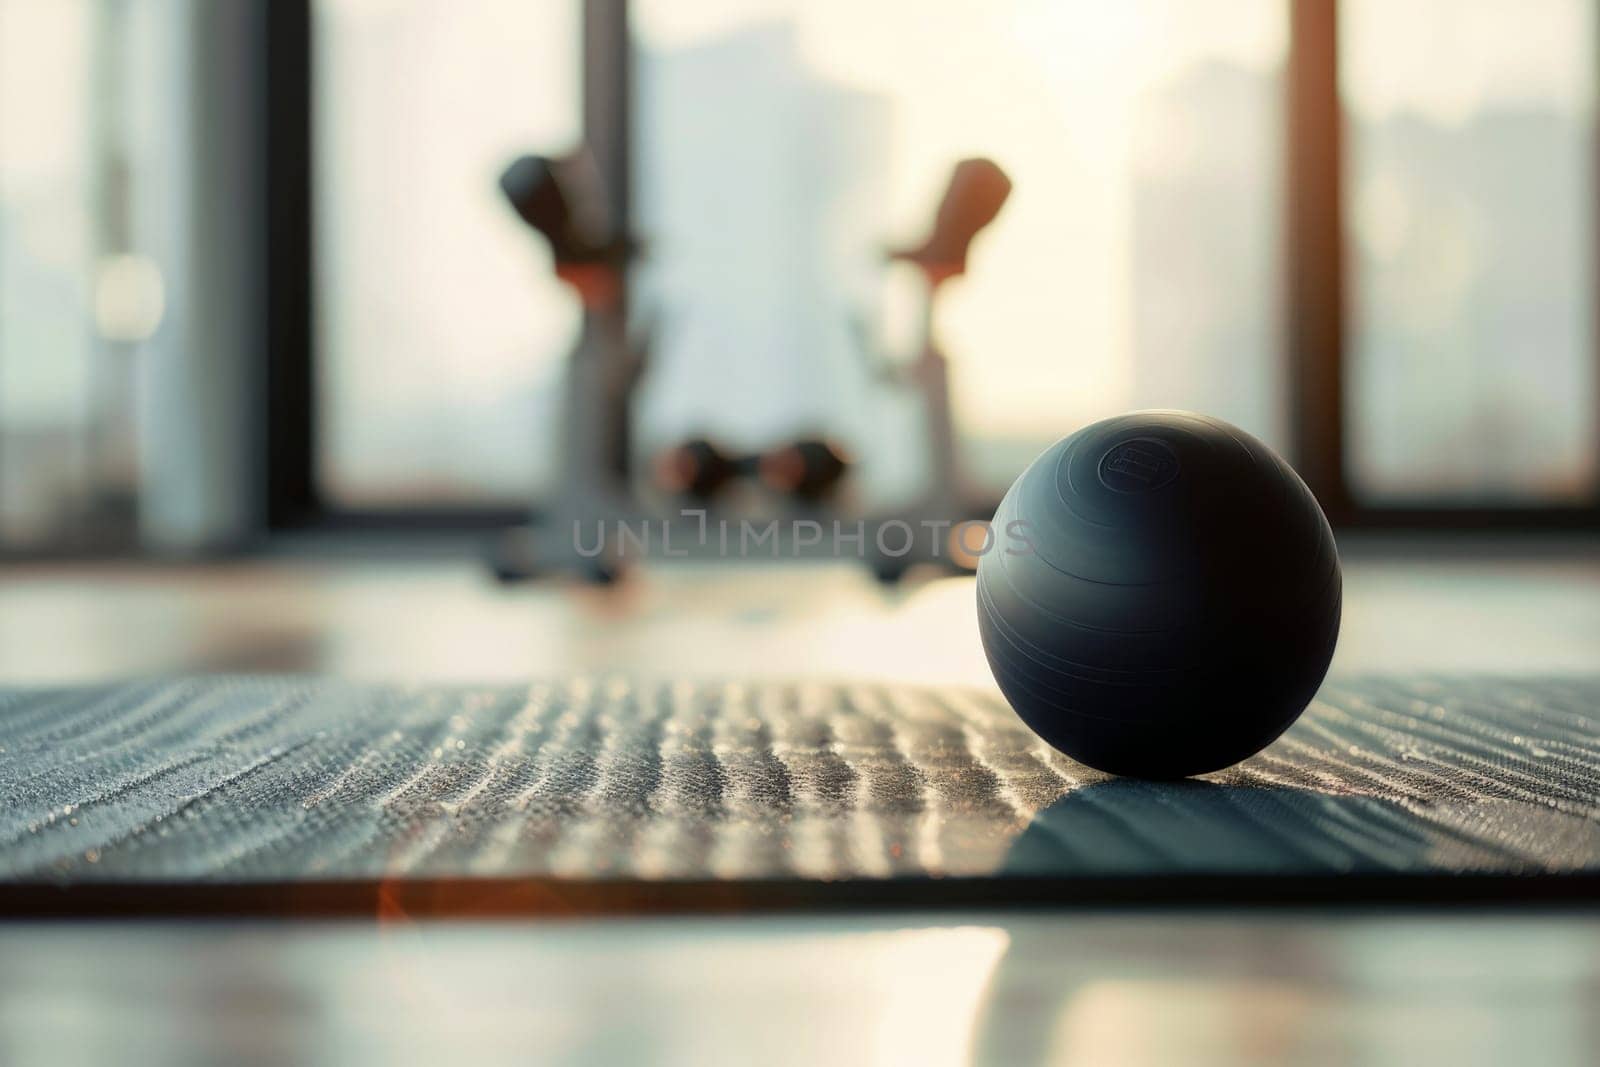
{"x": 256, "y": 782}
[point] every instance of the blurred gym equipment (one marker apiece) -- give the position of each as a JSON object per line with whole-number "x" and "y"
{"x": 808, "y": 471}
{"x": 699, "y": 470}
{"x": 562, "y": 199}
{"x": 805, "y": 473}
{"x": 977, "y": 191}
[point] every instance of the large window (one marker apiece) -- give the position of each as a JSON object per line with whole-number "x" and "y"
{"x": 1415, "y": 324}
{"x": 439, "y": 329}
{"x": 781, "y": 147}
{"x": 1471, "y": 230}
{"x": 90, "y": 151}
{"x": 48, "y": 357}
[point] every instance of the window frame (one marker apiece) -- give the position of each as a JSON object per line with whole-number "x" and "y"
{"x": 1316, "y": 293}
{"x": 293, "y": 499}
{"x": 1318, "y": 306}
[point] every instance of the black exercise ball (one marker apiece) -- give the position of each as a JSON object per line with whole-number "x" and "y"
{"x": 1161, "y": 597}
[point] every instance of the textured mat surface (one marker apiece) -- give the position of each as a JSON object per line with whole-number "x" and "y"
{"x": 297, "y": 780}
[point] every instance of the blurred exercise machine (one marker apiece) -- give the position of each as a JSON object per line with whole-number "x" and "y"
{"x": 561, "y": 199}
{"x": 978, "y": 189}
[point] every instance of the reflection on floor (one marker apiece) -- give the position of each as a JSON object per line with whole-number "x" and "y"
{"x": 924, "y": 989}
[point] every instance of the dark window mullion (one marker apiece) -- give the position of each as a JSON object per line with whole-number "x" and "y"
{"x": 288, "y": 370}
{"x": 1315, "y": 252}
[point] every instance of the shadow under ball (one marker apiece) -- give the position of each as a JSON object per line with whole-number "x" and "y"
{"x": 1162, "y": 595}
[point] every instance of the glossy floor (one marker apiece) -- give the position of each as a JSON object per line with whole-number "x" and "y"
{"x": 1434, "y": 605}
{"x": 915, "y": 989}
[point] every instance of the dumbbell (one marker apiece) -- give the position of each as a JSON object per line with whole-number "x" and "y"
{"x": 699, "y": 469}
{"x": 808, "y": 470}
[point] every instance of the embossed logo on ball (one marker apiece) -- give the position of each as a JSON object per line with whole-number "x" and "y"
{"x": 1138, "y": 465}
